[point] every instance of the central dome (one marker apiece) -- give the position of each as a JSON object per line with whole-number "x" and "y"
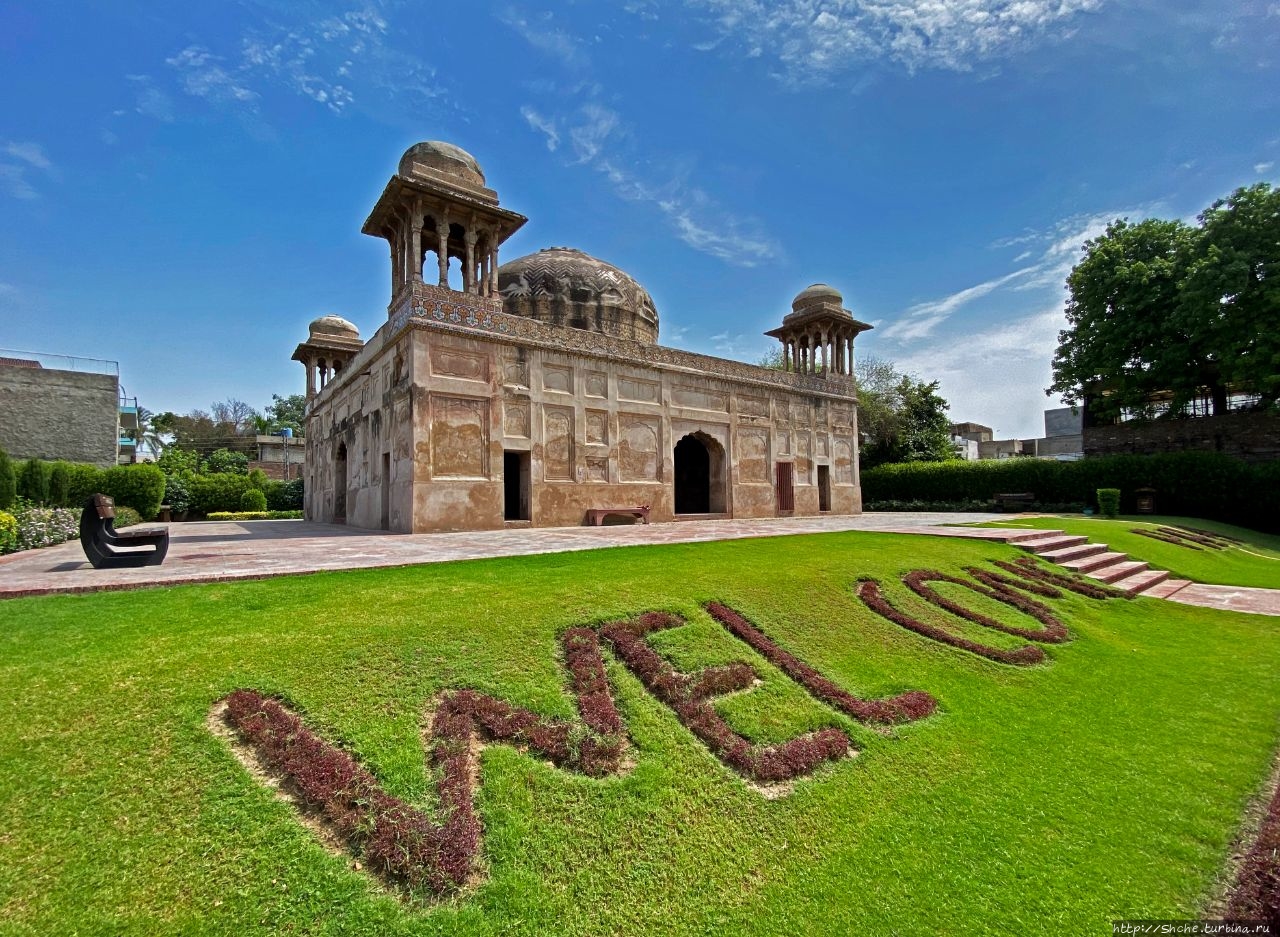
{"x": 567, "y": 287}
{"x": 443, "y": 158}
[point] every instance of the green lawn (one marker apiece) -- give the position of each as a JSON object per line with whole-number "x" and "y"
{"x": 1105, "y": 783}
{"x": 1254, "y": 562}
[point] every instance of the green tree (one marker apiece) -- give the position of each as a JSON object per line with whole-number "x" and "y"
{"x": 60, "y": 485}
{"x": 1116, "y": 348}
{"x": 224, "y": 461}
{"x": 289, "y": 412}
{"x": 1231, "y": 291}
{"x": 1160, "y": 308}
{"x": 925, "y": 431}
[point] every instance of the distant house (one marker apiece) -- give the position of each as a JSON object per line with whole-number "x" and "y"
{"x": 1062, "y": 439}
{"x": 61, "y": 407}
{"x": 280, "y": 456}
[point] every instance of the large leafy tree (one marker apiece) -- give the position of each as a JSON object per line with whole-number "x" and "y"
{"x": 1161, "y": 308}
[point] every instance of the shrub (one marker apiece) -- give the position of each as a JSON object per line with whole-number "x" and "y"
{"x": 126, "y": 517}
{"x": 33, "y": 481}
{"x": 176, "y": 494}
{"x": 136, "y": 486}
{"x": 8, "y": 482}
{"x": 258, "y": 479}
{"x": 221, "y": 492}
{"x": 60, "y": 485}
{"x": 8, "y": 533}
{"x": 224, "y": 461}
{"x": 1195, "y": 484}
{"x": 253, "y": 500}
{"x": 83, "y": 480}
{"x": 285, "y": 496}
{"x": 1109, "y": 501}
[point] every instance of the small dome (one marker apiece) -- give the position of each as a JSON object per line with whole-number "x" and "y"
{"x": 567, "y": 287}
{"x": 817, "y": 295}
{"x": 335, "y": 326}
{"x": 443, "y": 158}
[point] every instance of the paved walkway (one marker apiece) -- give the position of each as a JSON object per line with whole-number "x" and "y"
{"x": 225, "y": 551}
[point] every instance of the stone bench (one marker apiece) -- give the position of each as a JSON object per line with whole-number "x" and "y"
{"x": 1014, "y": 501}
{"x": 108, "y": 548}
{"x": 596, "y": 516}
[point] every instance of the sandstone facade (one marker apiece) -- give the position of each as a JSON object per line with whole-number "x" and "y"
{"x": 536, "y": 402}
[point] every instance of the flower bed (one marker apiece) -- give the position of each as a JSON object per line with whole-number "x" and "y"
{"x": 38, "y": 527}
{"x": 401, "y": 844}
{"x": 904, "y": 708}
{"x": 688, "y": 697}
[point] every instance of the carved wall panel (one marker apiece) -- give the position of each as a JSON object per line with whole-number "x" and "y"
{"x": 753, "y": 406}
{"x": 515, "y": 418}
{"x": 596, "y": 384}
{"x": 823, "y": 447}
{"x": 640, "y": 391}
{"x": 557, "y": 378}
{"x": 557, "y": 447}
{"x": 784, "y": 442}
{"x": 699, "y": 399}
{"x": 598, "y": 427}
{"x": 459, "y": 437}
{"x": 842, "y": 461}
{"x": 753, "y": 456}
{"x": 597, "y": 469}
{"x": 515, "y": 372}
{"x": 460, "y": 364}
{"x": 638, "y": 451}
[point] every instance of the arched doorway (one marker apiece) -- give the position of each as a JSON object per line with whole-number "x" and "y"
{"x": 699, "y": 475}
{"x": 340, "y": 485}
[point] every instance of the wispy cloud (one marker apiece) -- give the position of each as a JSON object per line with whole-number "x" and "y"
{"x": 815, "y": 40}
{"x": 203, "y": 76}
{"x": 1261, "y": 168}
{"x": 547, "y": 38}
{"x": 596, "y": 137}
{"x": 920, "y": 320}
{"x": 18, "y": 161}
{"x": 1000, "y": 378}
{"x": 544, "y": 124}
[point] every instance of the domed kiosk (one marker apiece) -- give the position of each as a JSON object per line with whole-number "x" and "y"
{"x": 535, "y": 393}
{"x": 567, "y": 287}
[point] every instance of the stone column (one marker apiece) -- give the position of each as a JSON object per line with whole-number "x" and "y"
{"x": 395, "y": 268}
{"x": 484, "y": 268}
{"x": 469, "y": 265}
{"x": 442, "y": 252}
{"x": 493, "y": 266}
{"x": 415, "y": 245}
{"x": 310, "y": 365}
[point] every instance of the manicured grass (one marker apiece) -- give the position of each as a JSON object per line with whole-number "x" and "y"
{"x": 1253, "y": 562}
{"x": 1107, "y": 782}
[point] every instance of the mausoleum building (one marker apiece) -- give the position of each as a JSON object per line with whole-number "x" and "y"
{"x": 537, "y": 392}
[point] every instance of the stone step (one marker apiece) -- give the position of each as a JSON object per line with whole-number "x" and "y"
{"x": 1080, "y": 551}
{"x": 1167, "y": 588}
{"x": 1088, "y": 564}
{"x": 1117, "y": 571}
{"x": 1022, "y": 537}
{"x": 1057, "y": 542}
{"x": 1141, "y": 581}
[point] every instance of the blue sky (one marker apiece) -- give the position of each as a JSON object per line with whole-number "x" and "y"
{"x": 182, "y": 188}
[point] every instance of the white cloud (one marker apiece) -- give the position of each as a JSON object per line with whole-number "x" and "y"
{"x": 204, "y": 77}
{"x": 1261, "y": 168}
{"x": 1000, "y": 378}
{"x": 813, "y": 40}
{"x": 20, "y": 159}
{"x": 149, "y": 101}
{"x": 547, "y": 39}
{"x": 920, "y": 320}
{"x": 591, "y": 132}
{"x": 543, "y": 124}
{"x": 31, "y": 153}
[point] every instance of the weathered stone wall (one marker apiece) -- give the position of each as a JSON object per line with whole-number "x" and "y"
{"x": 428, "y": 409}
{"x": 51, "y": 414}
{"x": 1254, "y": 437}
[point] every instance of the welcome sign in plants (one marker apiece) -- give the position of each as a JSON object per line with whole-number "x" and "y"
{"x": 428, "y": 854}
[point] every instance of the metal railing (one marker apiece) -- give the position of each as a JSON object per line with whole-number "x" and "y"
{"x": 64, "y": 362}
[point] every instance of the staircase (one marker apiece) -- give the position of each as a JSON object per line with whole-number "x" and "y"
{"x": 1097, "y": 561}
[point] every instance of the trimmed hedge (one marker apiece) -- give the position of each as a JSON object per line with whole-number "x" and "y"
{"x": 219, "y": 492}
{"x": 254, "y": 516}
{"x": 1194, "y": 484}
{"x": 140, "y": 487}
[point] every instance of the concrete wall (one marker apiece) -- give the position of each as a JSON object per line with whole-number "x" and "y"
{"x": 1254, "y": 437}
{"x": 426, "y": 413}
{"x": 1062, "y": 421}
{"x": 52, "y": 414}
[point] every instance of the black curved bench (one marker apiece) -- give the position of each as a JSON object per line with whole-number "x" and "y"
{"x": 108, "y": 548}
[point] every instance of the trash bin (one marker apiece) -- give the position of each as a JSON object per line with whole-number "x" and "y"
{"x": 1145, "y": 501}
